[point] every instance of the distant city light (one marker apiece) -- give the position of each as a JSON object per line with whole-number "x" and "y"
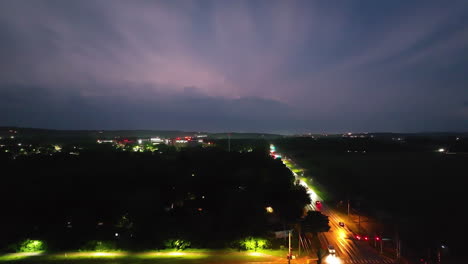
{"x": 103, "y": 141}
{"x": 269, "y": 209}
{"x": 441, "y": 150}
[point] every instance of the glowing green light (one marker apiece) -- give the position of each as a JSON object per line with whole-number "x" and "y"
{"x": 17, "y": 256}
{"x": 161, "y": 256}
{"x": 88, "y": 254}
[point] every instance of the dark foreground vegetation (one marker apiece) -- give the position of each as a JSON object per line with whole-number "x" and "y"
{"x": 412, "y": 184}
{"x": 190, "y": 197}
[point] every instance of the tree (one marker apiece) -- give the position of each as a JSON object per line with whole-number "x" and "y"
{"x": 315, "y": 222}
{"x": 312, "y": 224}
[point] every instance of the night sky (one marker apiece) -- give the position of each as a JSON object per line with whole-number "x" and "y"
{"x": 264, "y": 66}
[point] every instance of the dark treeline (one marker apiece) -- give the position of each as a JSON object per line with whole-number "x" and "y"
{"x": 210, "y": 197}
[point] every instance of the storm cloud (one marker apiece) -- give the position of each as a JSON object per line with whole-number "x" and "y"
{"x": 270, "y": 66}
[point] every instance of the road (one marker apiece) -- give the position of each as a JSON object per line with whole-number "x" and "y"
{"x": 348, "y": 249}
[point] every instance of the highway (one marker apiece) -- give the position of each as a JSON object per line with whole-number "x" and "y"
{"x": 348, "y": 248}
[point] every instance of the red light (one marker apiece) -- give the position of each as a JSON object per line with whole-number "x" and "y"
{"x": 366, "y": 238}
{"x": 377, "y": 238}
{"x": 358, "y": 237}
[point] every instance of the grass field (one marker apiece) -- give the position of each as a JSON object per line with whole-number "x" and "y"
{"x": 153, "y": 257}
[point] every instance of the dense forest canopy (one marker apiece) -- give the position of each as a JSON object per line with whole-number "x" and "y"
{"x": 206, "y": 195}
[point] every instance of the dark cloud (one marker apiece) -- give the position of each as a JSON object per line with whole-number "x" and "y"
{"x": 270, "y": 66}
{"x": 40, "y": 107}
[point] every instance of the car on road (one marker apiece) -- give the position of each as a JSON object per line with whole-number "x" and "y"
{"x": 341, "y": 224}
{"x": 331, "y": 250}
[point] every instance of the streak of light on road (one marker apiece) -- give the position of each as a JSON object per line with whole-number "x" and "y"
{"x": 330, "y": 259}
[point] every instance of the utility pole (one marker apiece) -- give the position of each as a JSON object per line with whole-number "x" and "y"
{"x": 299, "y": 245}
{"x": 359, "y": 223}
{"x": 348, "y": 208}
{"x": 229, "y": 142}
{"x": 428, "y": 254}
{"x": 397, "y": 242}
{"x": 381, "y": 245}
{"x": 438, "y": 256}
{"x": 289, "y": 247}
{"x": 398, "y": 249}
{"x": 299, "y": 241}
